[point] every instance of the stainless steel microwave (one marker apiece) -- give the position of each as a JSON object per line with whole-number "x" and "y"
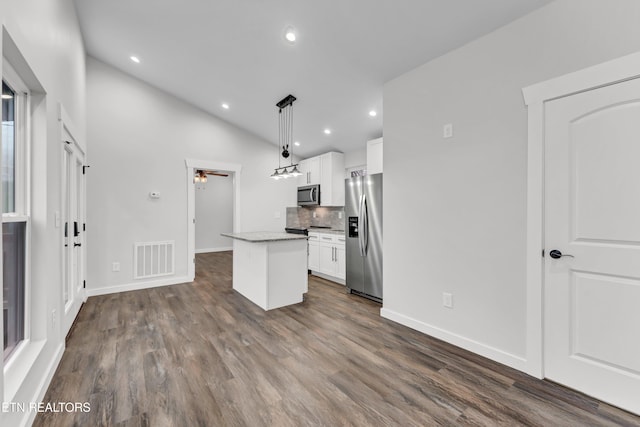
{"x": 309, "y": 195}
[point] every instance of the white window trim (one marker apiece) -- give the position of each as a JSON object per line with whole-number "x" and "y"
{"x": 19, "y": 362}
{"x": 23, "y": 132}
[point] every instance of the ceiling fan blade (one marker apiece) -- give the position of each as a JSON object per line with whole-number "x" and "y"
{"x": 216, "y": 173}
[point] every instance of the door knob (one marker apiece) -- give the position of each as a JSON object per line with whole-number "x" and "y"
{"x": 77, "y": 244}
{"x": 556, "y": 254}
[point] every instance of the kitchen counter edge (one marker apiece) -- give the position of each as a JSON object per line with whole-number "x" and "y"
{"x": 263, "y": 236}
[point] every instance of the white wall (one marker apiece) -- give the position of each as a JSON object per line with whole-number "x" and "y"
{"x": 139, "y": 138}
{"x": 355, "y": 160}
{"x": 465, "y": 197}
{"x": 356, "y": 157}
{"x": 47, "y": 36}
{"x": 214, "y": 214}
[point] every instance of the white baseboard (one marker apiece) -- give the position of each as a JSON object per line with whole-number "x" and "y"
{"x": 42, "y": 388}
{"x": 500, "y": 356}
{"x": 207, "y": 250}
{"x": 136, "y": 286}
{"x": 330, "y": 278}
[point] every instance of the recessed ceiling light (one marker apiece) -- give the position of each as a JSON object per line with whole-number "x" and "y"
{"x": 290, "y": 35}
{"x": 327, "y": 131}
{"x": 135, "y": 59}
{"x": 373, "y": 113}
{"x": 297, "y": 144}
{"x": 225, "y": 106}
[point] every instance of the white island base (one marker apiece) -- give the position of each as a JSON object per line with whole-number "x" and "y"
{"x": 270, "y": 269}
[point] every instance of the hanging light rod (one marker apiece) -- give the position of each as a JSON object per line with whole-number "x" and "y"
{"x": 285, "y": 139}
{"x": 286, "y": 101}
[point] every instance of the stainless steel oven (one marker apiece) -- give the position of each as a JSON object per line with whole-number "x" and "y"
{"x": 309, "y": 195}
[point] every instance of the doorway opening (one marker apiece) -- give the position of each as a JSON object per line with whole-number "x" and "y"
{"x": 213, "y": 211}
{"x": 206, "y": 214}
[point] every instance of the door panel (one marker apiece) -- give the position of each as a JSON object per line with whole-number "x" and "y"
{"x": 354, "y": 260}
{"x": 592, "y": 211}
{"x": 373, "y": 261}
{"x": 603, "y": 159}
{"x": 604, "y": 304}
{"x": 314, "y": 256}
{"x": 73, "y": 211}
{"x": 340, "y": 262}
{"x": 327, "y": 255}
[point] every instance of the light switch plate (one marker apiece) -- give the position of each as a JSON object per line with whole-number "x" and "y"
{"x": 447, "y": 300}
{"x": 447, "y": 130}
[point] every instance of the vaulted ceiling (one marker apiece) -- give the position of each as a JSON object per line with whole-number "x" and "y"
{"x": 210, "y": 52}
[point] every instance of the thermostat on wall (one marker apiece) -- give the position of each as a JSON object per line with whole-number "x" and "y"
{"x": 154, "y": 194}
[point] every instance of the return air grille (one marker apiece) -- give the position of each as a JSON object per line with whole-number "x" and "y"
{"x": 153, "y": 259}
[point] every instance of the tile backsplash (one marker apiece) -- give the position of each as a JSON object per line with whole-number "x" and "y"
{"x": 325, "y": 216}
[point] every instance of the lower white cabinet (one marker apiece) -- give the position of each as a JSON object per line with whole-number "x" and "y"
{"x": 327, "y": 255}
{"x": 313, "y": 252}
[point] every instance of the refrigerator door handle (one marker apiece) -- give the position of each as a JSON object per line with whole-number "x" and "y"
{"x": 361, "y": 227}
{"x": 365, "y": 229}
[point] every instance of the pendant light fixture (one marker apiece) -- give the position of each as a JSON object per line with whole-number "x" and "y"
{"x": 285, "y": 139}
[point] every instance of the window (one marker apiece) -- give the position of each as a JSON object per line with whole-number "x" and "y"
{"x": 15, "y": 219}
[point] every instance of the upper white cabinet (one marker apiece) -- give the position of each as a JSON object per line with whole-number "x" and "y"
{"x": 332, "y": 179}
{"x": 374, "y": 156}
{"x": 328, "y": 171}
{"x": 310, "y": 169}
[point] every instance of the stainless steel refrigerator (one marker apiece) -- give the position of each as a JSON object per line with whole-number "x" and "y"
{"x": 363, "y": 209}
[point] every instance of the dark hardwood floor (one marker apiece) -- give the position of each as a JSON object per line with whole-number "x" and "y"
{"x": 199, "y": 354}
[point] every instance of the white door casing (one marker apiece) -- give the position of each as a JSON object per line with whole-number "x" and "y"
{"x": 580, "y": 126}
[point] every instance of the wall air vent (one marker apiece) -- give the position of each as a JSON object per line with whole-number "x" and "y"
{"x": 153, "y": 259}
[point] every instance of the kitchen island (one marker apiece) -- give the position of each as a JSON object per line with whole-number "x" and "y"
{"x": 270, "y": 268}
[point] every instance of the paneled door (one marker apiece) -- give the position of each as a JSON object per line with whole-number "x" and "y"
{"x": 73, "y": 214}
{"x": 592, "y": 225}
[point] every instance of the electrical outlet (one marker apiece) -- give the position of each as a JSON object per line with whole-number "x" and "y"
{"x": 447, "y": 300}
{"x": 447, "y": 130}
{"x": 340, "y": 215}
{"x": 53, "y": 317}
{"x": 115, "y": 266}
{"x": 276, "y": 215}
{"x": 314, "y": 214}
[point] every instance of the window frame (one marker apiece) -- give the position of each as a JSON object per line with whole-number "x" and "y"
{"x": 22, "y": 193}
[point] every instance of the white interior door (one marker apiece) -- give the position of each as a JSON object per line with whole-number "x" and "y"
{"x": 73, "y": 204}
{"x": 592, "y": 213}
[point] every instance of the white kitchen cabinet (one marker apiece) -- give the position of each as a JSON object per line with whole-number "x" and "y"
{"x": 374, "y": 156}
{"x": 328, "y": 171}
{"x": 313, "y": 252}
{"x": 341, "y": 259}
{"x": 332, "y": 179}
{"x": 311, "y": 170}
{"x": 331, "y": 256}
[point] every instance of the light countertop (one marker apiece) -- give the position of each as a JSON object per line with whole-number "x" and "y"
{"x": 264, "y": 236}
{"x": 325, "y": 231}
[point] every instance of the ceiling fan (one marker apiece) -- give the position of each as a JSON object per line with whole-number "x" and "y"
{"x": 201, "y": 175}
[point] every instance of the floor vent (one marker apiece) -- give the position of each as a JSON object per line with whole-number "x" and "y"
{"x": 153, "y": 259}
